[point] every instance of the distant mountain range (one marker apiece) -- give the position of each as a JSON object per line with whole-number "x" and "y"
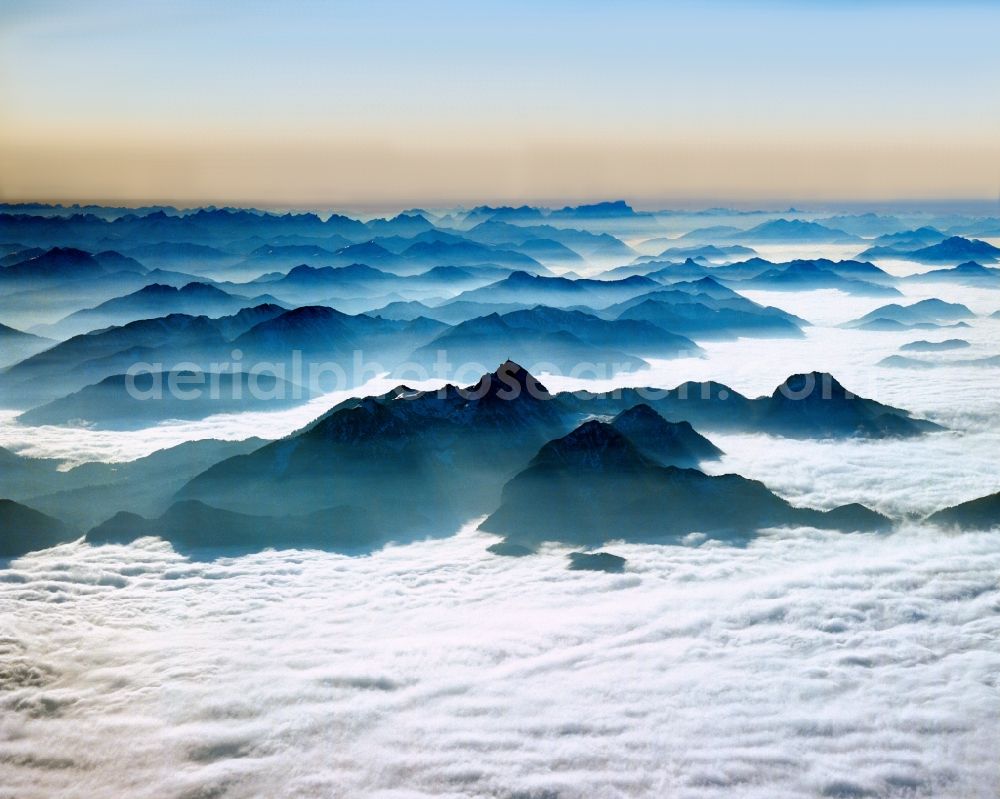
{"x": 84, "y": 495}
{"x": 911, "y": 239}
{"x": 86, "y": 359}
{"x": 924, "y": 314}
{"x": 131, "y": 402}
{"x": 706, "y": 311}
{"x": 568, "y": 341}
{"x": 490, "y": 338}
{"x": 902, "y": 362}
{"x": 955, "y": 249}
{"x": 810, "y": 276}
{"x": 16, "y": 345}
{"x": 61, "y": 264}
{"x": 558, "y": 291}
{"x": 852, "y": 277}
{"x": 776, "y": 231}
{"x": 867, "y": 224}
{"x": 968, "y": 274}
{"x": 594, "y": 246}
{"x": 155, "y": 300}
{"x": 935, "y": 346}
{"x": 709, "y": 252}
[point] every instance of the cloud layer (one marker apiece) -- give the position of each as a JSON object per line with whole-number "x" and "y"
{"x": 808, "y": 664}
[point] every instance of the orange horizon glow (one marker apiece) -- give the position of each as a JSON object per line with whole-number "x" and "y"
{"x": 382, "y": 104}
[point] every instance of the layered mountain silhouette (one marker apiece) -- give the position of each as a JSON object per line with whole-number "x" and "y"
{"x": 810, "y": 276}
{"x": 935, "y": 346}
{"x": 15, "y": 253}
{"x": 129, "y": 402}
{"x": 860, "y": 278}
{"x": 791, "y": 231}
{"x": 968, "y": 274}
{"x": 451, "y": 313}
{"x": 709, "y": 252}
{"x": 84, "y": 495}
{"x": 851, "y": 276}
{"x": 867, "y": 224}
{"x": 594, "y": 246}
{"x": 265, "y": 334}
{"x": 955, "y": 249}
{"x": 567, "y": 341}
{"x": 332, "y": 285}
{"x": 282, "y": 257}
{"x": 174, "y": 255}
{"x": 16, "y": 345}
{"x": 64, "y": 264}
{"x": 661, "y": 270}
{"x": 194, "y": 299}
{"x": 910, "y": 239}
{"x": 322, "y": 334}
{"x": 930, "y": 312}
{"x": 487, "y": 339}
{"x": 959, "y": 249}
{"x": 86, "y": 359}
{"x": 522, "y": 287}
{"x": 902, "y": 362}
{"x": 700, "y": 313}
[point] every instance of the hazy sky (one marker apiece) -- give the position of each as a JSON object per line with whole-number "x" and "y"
{"x": 388, "y": 103}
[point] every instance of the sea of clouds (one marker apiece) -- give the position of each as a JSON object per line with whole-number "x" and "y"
{"x": 807, "y": 664}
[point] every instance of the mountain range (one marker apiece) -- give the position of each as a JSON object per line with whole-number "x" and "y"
{"x": 131, "y": 402}
{"x": 968, "y": 274}
{"x": 776, "y": 231}
{"x": 930, "y": 312}
{"x": 155, "y": 300}
{"x": 955, "y": 249}
{"x": 16, "y": 345}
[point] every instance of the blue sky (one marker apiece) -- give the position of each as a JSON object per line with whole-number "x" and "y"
{"x": 205, "y": 90}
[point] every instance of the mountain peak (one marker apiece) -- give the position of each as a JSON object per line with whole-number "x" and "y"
{"x": 670, "y": 443}
{"x": 204, "y": 289}
{"x": 593, "y": 445}
{"x": 811, "y": 385}
{"x": 637, "y": 413}
{"x": 510, "y": 381}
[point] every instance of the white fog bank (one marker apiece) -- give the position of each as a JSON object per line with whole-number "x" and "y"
{"x": 806, "y": 665}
